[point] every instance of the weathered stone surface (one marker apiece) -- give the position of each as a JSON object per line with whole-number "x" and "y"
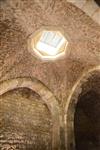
{"x": 18, "y": 20}
{"x": 25, "y": 122}
{"x": 21, "y": 18}
{"x": 83, "y": 114}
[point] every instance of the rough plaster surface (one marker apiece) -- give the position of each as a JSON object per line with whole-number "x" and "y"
{"x": 19, "y": 19}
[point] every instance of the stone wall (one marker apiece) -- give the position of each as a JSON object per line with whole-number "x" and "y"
{"x": 90, "y": 82}
{"x": 25, "y": 122}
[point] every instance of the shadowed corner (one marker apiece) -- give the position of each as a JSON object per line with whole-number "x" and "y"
{"x": 98, "y": 2}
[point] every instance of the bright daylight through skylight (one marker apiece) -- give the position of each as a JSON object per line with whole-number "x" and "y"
{"x": 48, "y": 44}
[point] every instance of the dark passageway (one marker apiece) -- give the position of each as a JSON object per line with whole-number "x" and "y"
{"x": 87, "y": 122}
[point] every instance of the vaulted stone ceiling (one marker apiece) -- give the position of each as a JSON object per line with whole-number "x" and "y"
{"x": 19, "y": 19}
{"x": 90, "y": 7}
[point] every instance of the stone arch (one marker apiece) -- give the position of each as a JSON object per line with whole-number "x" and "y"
{"x": 71, "y": 105}
{"x": 90, "y": 7}
{"x": 47, "y": 97}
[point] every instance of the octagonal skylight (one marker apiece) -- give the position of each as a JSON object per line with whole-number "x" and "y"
{"x": 49, "y": 44}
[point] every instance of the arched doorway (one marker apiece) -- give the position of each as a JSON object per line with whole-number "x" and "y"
{"x": 25, "y": 122}
{"x": 82, "y": 129}
{"x": 87, "y": 121}
{"x": 22, "y": 91}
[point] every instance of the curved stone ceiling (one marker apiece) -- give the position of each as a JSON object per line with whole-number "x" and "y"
{"x": 19, "y": 20}
{"x": 90, "y": 7}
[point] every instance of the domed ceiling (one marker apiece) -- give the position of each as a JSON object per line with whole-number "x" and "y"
{"x": 20, "y": 21}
